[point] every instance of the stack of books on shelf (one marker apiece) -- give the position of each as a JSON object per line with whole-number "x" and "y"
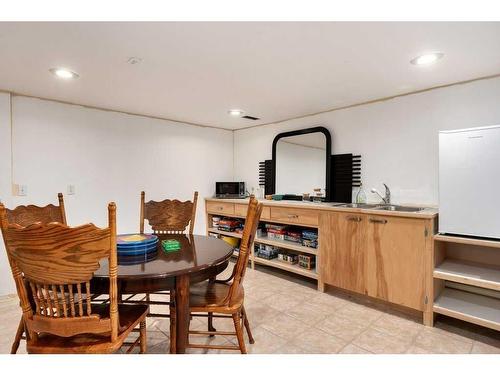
{"x": 309, "y": 238}
{"x": 266, "y": 251}
{"x": 227, "y": 224}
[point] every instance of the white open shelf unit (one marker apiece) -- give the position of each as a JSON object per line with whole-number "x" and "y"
{"x": 470, "y": 273}
{"x": 471, "y": 307}
{"x": 467, "y": 279}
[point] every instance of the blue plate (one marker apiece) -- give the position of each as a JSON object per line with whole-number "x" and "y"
{"x": 137, "y": 259}
{"x": 138, "y": 249}
{"x": 138, "y": 246}
{"x": 133, "y": 239}
{"x": 137, "y": 252}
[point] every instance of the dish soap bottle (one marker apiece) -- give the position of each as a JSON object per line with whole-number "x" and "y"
{"x": 361, "y": 195}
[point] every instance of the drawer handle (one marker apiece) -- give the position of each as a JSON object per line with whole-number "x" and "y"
{"x": 354, "y": 218}
{"x": 378, "y": 221}
{"x": 293, "y": 216}
{"x": 220, "y": 208}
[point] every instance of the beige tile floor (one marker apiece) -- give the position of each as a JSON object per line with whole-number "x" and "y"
{"x": 288, "y": 316}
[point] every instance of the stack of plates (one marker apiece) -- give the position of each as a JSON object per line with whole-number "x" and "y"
{"x": 136, "y": 244}
{"x": 128, "y": 260}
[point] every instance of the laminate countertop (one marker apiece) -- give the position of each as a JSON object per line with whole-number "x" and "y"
{"x": 426, "y": 213}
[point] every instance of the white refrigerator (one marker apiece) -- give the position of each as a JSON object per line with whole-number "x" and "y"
{"x": 469, "y": 182}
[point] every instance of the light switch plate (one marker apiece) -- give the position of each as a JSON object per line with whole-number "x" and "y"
{"x": 71, "y": 190}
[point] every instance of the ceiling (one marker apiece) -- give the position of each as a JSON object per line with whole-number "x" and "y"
{"x": 196, "y": 71}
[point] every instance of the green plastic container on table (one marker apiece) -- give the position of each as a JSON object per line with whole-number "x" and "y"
{"x": 170, "y": 245}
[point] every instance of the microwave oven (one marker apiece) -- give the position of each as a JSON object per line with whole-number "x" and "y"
{"x": 230, "y": 190}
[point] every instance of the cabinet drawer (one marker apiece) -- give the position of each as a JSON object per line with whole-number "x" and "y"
{"x": 295, "y": 216}
{"x": 241, "y": 210}
{"x": 220, "y": 207}
{"x": 266, "y": 213}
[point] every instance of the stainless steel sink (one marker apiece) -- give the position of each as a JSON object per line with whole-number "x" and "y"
{"x": 392, "y": 207}
{"x": 378, "y": 206}
{"x": 358, "y": 205}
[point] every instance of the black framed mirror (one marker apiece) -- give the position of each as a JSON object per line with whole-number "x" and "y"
{"x": 301, "y": 162}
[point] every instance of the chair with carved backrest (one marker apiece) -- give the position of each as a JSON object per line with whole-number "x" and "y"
{"x": 56, "y": 263}
{"x": 26, "y": 215}
{"x": 169, "y": 216}
{"x": 226, "y": 297}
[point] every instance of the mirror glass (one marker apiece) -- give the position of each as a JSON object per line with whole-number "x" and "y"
{"x": 301, "y": 164}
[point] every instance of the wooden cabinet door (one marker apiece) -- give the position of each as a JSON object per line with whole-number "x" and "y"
{"x": 342, "y": 253}
{"x": 396, "y": 260}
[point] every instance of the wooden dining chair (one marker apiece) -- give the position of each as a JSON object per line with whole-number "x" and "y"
{"x": 26, "y": 215}
{"x": 226, "y": 297}
{"x": 55, "y": 263}
{"x": 169, "y": 216}
{"x": 166, "y": 217}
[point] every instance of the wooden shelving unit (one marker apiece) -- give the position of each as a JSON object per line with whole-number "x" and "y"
{"x": 467, "y": 279}
{"x": 284, "y": 244}
{"x": 224, "y": 233}
{"x": 287, "y": 267}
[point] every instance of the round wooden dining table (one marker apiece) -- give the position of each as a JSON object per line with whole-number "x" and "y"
{"x": 199, "y": 258}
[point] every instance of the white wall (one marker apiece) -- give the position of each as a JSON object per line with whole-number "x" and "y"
{"x": 398, "y": 138}
{"x": 6, "y": 281}
{"x": 108, "y": 156}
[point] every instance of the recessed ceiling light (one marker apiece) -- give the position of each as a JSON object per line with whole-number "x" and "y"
{"x": 64, "y": 73}
{"x": 235, "y": 112}
{"x": 427, "y": 59}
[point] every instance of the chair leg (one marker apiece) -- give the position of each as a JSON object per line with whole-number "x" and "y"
{"x": 247, "y": 326}
{"x": 211, "y": 323}
{"x": 19, "y": 335}
{"x": 239, "y": 332}
{"x": 142, "y": 334}
{"x": 173, "y": 323}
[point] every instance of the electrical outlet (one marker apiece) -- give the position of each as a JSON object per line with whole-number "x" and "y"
{"x": 22, "y": 190}
{"x": 71, "y": 190}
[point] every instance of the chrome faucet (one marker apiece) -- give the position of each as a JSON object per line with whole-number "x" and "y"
{"x": 387, "y": 199}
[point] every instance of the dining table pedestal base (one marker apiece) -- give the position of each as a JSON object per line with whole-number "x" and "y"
{"x": 182, "y": 315}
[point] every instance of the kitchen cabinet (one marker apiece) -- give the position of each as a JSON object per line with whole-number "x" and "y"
{"x": 395, "y": 260}
{"x": 342, "y": 250}
{"x": 381, "y": 256}
{"x": 385, "y": 255}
